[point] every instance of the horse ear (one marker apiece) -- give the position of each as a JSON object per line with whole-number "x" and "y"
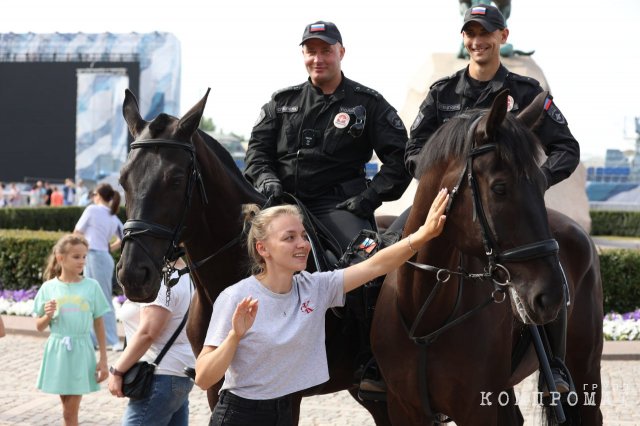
{"x": 131, "y": 113}
{"x": 533, "y": 114}
{"x": 191, "y": 120}
{"x": 489, "y": 124}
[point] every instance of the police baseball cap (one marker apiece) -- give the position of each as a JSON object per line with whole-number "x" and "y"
{"x": 487, "y": 16}
{"x": 325, "y": 31}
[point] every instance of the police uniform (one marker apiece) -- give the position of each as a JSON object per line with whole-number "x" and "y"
{"x": 453, "y": 95}
{"x": 317, "y": 146}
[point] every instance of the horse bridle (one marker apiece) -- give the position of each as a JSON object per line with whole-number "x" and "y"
{"x": 134, "y": 228}
{"x": 495, "y": 260}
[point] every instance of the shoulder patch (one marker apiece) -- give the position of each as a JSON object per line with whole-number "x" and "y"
{"x": 553, "y": 111}
{"x": 523, "y": 79}
{"x": 363, "y": 89}
{"x": 442, "y": 80}
{"x": 417, "y": 121}
{"x": 394, "y": 119}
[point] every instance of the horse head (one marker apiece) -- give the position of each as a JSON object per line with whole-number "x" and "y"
{"x": 497, "y": 212}
{"x": 160, "y": 180}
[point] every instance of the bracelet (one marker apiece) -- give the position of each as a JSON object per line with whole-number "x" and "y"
{"x": 410, "y": 246}
{"x": 115, "y": 371}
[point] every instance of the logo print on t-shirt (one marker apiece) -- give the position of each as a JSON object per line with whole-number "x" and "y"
{"x": 306, "y": 308}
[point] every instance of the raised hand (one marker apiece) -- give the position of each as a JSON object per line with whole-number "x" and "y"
{"x": 244, "y": 316}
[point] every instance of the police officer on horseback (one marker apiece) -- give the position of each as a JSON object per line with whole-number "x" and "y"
{"x": 475, "y": 86}
{"x": 313, "y": 140}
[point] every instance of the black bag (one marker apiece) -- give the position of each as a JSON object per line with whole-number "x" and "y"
{"x": 136, "y": 383}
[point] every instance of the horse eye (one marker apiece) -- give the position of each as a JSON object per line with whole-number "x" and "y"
{"x": 499, "y": 188}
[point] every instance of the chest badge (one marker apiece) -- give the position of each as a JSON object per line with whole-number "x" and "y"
{"x": 341, "y": 120}
{"x": 509, "y": 103}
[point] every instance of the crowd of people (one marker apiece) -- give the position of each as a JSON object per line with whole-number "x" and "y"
{"x": 43, "y": 193}
{"x": 311, "y": 140}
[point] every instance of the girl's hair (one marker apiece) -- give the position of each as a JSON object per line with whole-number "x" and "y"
{"x": 260, "y": 221}
{"x": 53, "y": 268}
{"x": 108, "y": 194}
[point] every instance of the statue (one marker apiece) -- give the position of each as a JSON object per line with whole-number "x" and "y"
{"x": 504, "y": 6}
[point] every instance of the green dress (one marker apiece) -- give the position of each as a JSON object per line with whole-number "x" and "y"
{"x": 69, "y": 362}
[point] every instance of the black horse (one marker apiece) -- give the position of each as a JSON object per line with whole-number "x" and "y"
{"x": 178, "y": 190}
{"x": 441, "y": 336}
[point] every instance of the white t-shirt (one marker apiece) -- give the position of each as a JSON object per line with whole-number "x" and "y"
{"x": 180, "y": 354}
{"x": 284, "y": 351}
{"x": 99, "y": 226}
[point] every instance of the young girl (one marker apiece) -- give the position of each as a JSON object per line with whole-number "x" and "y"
{"x": 268, "y": 353}
{"x": 69, "y": 304}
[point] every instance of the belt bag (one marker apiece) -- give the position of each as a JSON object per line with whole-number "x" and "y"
{"x": 136, "y": 383}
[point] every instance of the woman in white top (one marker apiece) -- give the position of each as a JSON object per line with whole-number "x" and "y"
{"x": 103, "y": 230}
{"x": 266, "y": 354}
{"x": 148, "y": 327}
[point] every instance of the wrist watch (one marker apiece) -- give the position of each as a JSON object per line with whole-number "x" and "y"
{"x": 115, "y": 371}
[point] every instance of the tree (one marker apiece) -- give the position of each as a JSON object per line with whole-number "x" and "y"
{"x": 207, "y": 125}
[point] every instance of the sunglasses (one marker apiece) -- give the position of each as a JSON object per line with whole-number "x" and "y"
{"x": 361, "y": 118}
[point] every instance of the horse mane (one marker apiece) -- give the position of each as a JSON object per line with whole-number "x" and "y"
{"x": 226, "y": 160}
{"x": 516, "y": 145}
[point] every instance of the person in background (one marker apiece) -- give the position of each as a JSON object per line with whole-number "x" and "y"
{"x": 266, "y": 335}
{"x": 69, "y": 192}
{"x": 101, "y": 226}
{"x": 69, "y": 304}
{"x": 148, "y": 327}
{"x": 57, "y": 197}
{"x": 82, "y": 194}
{"x": 2, "y": 330}
{"x": 48, "y": 190}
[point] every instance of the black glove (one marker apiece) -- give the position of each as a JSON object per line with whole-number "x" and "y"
{"x": 358, "y": 205}
{"x": 271, "y": 188}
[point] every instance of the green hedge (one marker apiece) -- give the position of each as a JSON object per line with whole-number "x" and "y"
{"x": 621, "y": 223}
{"x": 23, "y": 255}
{"x": 620, "y": 271}
{"x": 44, "y": 218}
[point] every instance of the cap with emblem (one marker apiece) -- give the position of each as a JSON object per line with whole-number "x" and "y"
{"x": 325, "y": 31}
{"x": 487, "y": 16}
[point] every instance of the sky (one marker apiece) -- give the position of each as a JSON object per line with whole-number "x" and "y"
{"x": 244, "y": 50}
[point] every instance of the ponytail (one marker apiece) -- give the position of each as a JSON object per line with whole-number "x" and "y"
{"x": 108, "y": 194}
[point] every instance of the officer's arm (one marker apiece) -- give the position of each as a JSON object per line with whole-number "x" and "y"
{"x": 424, "y": 125}
{"x": 261, "y": 157}
{"x": 389, "y": 137}
{"x": 562, "y": 149}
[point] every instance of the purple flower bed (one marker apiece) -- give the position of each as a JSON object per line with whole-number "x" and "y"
{"x": 19, "y": 295}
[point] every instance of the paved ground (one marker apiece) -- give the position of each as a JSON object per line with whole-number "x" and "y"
{"x": 21, "y": 404}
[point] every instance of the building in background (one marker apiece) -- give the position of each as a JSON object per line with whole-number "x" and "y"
{"x": 61, "y": 100}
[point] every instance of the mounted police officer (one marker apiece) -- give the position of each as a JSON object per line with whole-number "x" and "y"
{"x": 483, "y": 32}
{"x": 313, "y": 140}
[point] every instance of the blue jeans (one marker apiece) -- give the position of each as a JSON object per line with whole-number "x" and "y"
{"x": 100, "y": 267}
{"x": 167, "y": 404}
{"x": 232, "y": 410}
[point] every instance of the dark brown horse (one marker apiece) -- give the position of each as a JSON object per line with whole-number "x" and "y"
{"x": 499, "y": 242}
{"x": 178, "y": 190}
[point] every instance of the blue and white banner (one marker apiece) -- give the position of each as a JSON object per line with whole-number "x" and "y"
{"x": 101, "y": 132}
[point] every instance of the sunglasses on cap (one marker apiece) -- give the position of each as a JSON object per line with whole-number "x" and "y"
{"x": 357, "y": 128}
